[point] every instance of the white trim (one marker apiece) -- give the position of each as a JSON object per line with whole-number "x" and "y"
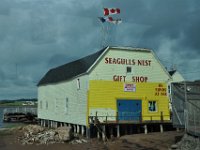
{"x": 132, "y": 48}
{"x": 97, "y": 60}
{"x": 156, "y": 57}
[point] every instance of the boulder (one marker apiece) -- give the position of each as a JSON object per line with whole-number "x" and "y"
{"x": 33, "y": 129}
{"x": 64, "y": 133}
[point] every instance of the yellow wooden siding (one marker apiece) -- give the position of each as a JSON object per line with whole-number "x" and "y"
{"x": 103, "y": 95}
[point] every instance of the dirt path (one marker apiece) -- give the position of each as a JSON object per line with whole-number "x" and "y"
{"x": 151, "y": 141}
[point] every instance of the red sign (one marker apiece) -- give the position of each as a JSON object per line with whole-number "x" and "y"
{"x": 134, "y": 78}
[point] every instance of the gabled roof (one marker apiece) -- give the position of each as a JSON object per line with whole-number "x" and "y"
{"x": 82, "y": 66}
{"x": 70, "y": 70}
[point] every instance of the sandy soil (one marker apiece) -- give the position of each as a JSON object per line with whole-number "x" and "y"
{"x": 151, "y": 141}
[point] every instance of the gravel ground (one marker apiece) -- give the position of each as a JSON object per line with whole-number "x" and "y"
{"x": 151, "y": 141}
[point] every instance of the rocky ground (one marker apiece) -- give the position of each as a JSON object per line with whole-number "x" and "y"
{"x": 34, "y": 137}
{"x": 188, "y": 142}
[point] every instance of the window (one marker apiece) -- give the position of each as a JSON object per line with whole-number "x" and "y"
{"x": 152, "y": 106}
{"x": 46, "y": 105}
{"x": 128, "y": 69}
{"x": 78, "y": 84}
{"x": 66, "y": 105}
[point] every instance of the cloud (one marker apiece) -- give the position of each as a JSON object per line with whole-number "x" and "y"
{"x": 38, "y": 35}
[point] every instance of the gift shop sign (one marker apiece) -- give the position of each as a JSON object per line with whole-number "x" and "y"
{"x": 134, "y": 62}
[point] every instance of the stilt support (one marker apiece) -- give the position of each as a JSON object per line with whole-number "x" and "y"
{"x": 118, "y": 131}
{"x": 145, "y": 129}
{"x": 78, "y": 129}
{"x": 82, "y": 130}
{"x": 161, "y": 128}
{"x": 88, "y": 132}
{"x": 104, "y": 133}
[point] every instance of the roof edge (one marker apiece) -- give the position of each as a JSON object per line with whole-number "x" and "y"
{"x": 90, "y": 68}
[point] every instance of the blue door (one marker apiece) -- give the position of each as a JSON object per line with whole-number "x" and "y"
{"x": 129, "y": 109}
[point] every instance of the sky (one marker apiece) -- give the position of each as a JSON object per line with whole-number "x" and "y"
{"x": 37, "y": 35}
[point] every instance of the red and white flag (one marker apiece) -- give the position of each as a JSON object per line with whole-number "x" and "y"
{"x": 110, "y": 19}
{"x": 111, "y": 11}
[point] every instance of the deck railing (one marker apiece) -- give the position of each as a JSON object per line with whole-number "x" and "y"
{"x": 129, "y": 119}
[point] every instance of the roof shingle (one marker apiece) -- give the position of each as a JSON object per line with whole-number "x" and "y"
{"x": 70, "y": 70}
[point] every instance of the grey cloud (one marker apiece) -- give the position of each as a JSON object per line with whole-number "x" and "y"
{"x": 38, "y": 35}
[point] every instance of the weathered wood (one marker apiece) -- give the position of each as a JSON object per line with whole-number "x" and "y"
{"x": 19, "y": 117}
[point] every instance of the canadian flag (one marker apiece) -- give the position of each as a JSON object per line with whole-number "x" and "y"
{"x": 111, "y": 11}
{"x": 110, "y": 19}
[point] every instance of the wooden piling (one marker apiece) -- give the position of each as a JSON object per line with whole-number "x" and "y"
{"x": 145, "y": 129}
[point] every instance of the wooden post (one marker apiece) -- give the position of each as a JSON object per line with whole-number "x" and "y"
{"x": 51, "y": 124}
{"x": 138, "y": 129}
{"x": 118, "y": 131}
{"x": 71, "y": 127}
{"x": 161, "y": 116}
{"x": 41, "y": 122}
{"x": 131, "y": 129}
{"x": 111, "y": 132}
{"x": 126, "y": 129}
{"x": 161, "y": 128}
{"x": 96, "y": 116}
{"x": 98, "y": 134}
{"x": 75, "y": 128}
{"x": 104, "y": 133}
{"x": 82, "y": 130}
{"x": 48, "y": 124}
{"x": 88, "y": 132}
{"x": 78, "y": 129}
{"x": 145, "y": 129}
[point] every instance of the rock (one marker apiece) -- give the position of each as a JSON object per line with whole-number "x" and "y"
{"x": 64, "y": 133}
{"x": 174, "y": 146}
{"x": 39, "y": 135}
{"x": 189, "y": 143}
{"x": 85, "y": 141}
{"x": 78, "y": 141}
{"x": 33, "y": 129}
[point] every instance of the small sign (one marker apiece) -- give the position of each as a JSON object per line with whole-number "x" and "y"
{"x": 129, "y": 87}
{"x": 160, "y": 90}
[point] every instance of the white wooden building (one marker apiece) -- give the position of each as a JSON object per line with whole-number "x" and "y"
{"x": 63, "y": 91}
